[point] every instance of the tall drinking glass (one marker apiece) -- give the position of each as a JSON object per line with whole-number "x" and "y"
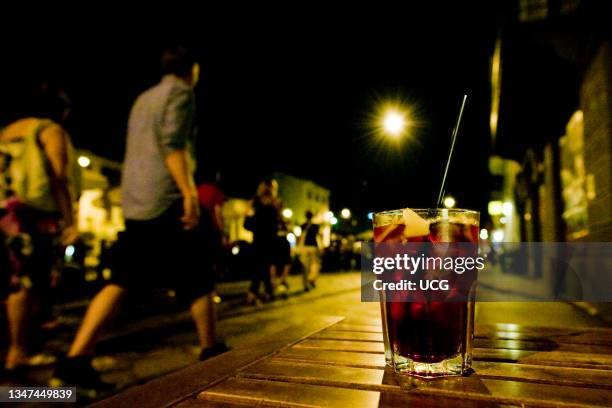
{"x": 430, "y": 338}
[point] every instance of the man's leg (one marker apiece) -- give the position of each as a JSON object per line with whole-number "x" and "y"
{"x": 306, "y": 267}
{"x": 17, "y": 308}
{"x": 203, "y": 314}
{"x": 315, "y": 266}
{"x": 273, "y": 276}
{"x": 285, "y": 273}
{"x": 101, "y": 310}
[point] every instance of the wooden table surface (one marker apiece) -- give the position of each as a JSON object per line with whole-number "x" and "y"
{"x": 339, "y": 362}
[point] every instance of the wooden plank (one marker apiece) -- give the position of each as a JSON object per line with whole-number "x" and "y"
{"x": 370, "y": 321}
{"x": 349, "y": 359}
{"x": 342, "y": 345}
{"x": 274, "y": 393}
{"x": 547, "y": 358}
{"x": 347, "y": 335}
{"x": 506, "y": 392}
{"x": 198, "y": 403}
{"x": 569, "y": 359}
{"x": 472, "y": 388}
{"x": 395, "y": 399}
{"x": 357, "y": 328}
{"x": 515, "y": 344}
{"x": 570, "y": 376}
{"x": 561, "y": 337}
{"x": 325, "y": 374}
{"x": 541, "y": 331}
{"x": 519, "y": 372}
{"x": 545, "y": 395}
{"x": 346, "y": 377}
{"x": 542, "y": 345}
{"x": 175, "y": 387}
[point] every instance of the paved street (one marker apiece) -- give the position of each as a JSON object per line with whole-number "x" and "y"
{"x": 150, "y": 346}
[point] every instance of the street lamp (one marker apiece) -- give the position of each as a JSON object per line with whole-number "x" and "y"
{"x": 391, "y": 119}
{"x": 394, "y": 123}
{"x": 287, "y": 213}
{"x": 345, "y": 213}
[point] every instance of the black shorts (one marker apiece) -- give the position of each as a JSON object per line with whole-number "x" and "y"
{"x": 159, "y": 253}
{"x": 283, "y": 251}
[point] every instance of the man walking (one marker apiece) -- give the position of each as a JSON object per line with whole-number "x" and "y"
{"x": 161, "y": 245}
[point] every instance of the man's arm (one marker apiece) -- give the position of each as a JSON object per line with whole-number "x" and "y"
{"x": 54, "y": 142}
{"x": 176, "y": 162}
{"x": 175, "y": 129}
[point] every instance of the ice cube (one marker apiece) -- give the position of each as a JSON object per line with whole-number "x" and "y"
{"x": 415, "y": 226}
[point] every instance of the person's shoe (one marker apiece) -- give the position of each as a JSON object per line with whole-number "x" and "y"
{"x": 283, "y": 290}
{"x": 312, "y": 284}
{"x": 210, "y": 352}
{"x": 78, "y": 372}
{"x": 252, "y": 299}
{"x": 15, "y": 375}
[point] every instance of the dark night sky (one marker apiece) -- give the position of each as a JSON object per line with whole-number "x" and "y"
{"x": 294, "y": 95}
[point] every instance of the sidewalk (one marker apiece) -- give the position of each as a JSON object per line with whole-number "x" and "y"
{"x": 167, "y": 316}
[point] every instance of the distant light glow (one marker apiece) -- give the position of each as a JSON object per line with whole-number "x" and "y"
{"x": 503, "y": 220}
{"x": 235, "y": 250}
{"x": 449, "y": 202}
{"x": 297, "y": 231}
{"x": 495, "y": 207}
{"x": 91, "y": 276}
{"x": 329, "y": 215}
{"x": 69, "y": 252}
{"x": 291, "y": 238}
{"x": 333, "y": 221}
{"x": 507, "y": 208}
{"x": 484, "y": 234}
{"x": 370, "y": 216}
{"x": 84, "y": 161}
{"x": 345, "y": 213}
{"x": 287, "y": 213}
{"x": 498, "y": 236}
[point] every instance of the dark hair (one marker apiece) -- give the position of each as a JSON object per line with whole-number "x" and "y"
{"x": 48, "y": 101}
{"x": 309, "y": 215}
{"x": 177, "y": 60}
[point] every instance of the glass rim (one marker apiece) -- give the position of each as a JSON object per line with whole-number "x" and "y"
{"x": 429, "y": 210}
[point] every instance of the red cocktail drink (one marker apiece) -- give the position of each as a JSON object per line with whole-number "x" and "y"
{"x": 430, "y": 333}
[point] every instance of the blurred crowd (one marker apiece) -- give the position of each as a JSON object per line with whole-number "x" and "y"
{"x": 174, "y": 233}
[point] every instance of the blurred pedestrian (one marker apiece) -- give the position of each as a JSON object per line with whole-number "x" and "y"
{"x": 282, "y": 260}
{"x": 264, "y": 225}
{"x": 310, "y": 246}
{"x": 162, "y": 242}
{"x": 38, "y": 185}
{"x": 211, "y": 200}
